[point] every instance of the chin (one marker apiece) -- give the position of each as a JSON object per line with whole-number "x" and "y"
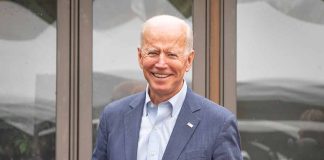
{"x": 160, "y": 89}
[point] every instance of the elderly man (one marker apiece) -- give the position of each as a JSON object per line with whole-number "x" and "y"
{"x": 168, "y": 121}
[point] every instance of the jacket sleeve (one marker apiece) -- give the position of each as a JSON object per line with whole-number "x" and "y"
{"x": 228, "y": 145}
{"x": 100, "y": 151}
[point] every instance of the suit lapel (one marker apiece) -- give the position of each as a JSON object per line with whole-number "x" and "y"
{"x": 185, "y": 126}
{"x": 132, "y": 122}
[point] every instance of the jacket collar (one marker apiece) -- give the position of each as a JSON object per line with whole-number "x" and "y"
{"x": 184, "y": 128}
{"x": 132, "y": 123}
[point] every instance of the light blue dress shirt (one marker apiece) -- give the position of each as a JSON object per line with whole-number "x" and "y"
{"x": 157, "y": 125}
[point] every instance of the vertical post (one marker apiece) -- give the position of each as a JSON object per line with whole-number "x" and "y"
{"x": 229, "y": 54}
{"x": 199, "y": 77}
{"x": 85, "y": 81}
{"x": 74, "y": 80}
{"x": 215, "y": 50}
{"x": 63, "y": 80}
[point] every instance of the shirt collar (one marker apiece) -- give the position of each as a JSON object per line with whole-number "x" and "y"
{"x": 176, "y": 101}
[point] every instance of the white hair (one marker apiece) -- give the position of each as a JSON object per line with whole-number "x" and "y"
{"x": 189, "y": 33}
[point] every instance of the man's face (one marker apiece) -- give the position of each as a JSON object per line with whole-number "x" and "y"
{"x": 164, "y": 60}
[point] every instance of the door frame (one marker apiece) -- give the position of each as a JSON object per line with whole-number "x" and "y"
{"x": 214, "y": 68}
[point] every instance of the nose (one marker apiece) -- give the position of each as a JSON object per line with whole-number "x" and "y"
{"x": 161, "y": 63}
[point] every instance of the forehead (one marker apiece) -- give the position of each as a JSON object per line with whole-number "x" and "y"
{"x": 164, "y": 36}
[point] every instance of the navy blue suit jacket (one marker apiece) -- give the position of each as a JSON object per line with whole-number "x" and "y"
{"x": 213, "y": 136}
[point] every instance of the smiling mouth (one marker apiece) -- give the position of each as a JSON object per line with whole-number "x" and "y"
{"x": 160, "y": 75}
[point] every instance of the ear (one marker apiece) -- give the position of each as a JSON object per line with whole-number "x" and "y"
{"x": 190, "y": 59}
{"x": 140, "y": 57}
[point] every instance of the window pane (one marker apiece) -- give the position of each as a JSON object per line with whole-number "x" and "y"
{"x": 280, "y": 79}
{"x": 116, "y": 36}
{"x": 27, "y": 83}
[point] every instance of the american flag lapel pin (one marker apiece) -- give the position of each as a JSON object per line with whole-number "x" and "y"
{"x": 190, "y": 124}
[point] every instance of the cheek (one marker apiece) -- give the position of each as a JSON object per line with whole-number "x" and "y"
{"x": 146, "y": 63}
{"x": 180, "y": 69}
{"x": 184, "y": 66}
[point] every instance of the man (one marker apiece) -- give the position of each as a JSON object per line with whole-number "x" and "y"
{"x": 168, "y": 121}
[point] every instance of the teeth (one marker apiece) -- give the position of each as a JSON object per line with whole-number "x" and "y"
{"x": 160, "y": 75}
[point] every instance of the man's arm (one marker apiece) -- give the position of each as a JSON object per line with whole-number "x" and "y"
{"x": 100, "y": 151}
{"x": 228, "y": 145}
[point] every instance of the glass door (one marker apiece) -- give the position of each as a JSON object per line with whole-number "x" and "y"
{"x": 280, "y": 80}
{"x": 116, "y": 36}
{"x": 28, "y": 79}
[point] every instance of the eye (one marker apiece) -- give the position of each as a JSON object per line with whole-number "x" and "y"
{"x": 172, "y": 55}
{"x": 152, "y": 53}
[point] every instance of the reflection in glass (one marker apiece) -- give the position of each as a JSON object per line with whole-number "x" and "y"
{"x": 280, "y": 80}
{"x": 27, "y": 83}
{"x": 116, "y": 36}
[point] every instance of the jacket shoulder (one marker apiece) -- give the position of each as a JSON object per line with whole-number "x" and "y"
{"x": 123, "y": 105}
{"x": 208, "y": 107}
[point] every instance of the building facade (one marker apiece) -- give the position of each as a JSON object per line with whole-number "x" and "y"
{"x": 61, "y": 61}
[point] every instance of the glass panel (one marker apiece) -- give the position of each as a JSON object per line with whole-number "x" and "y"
{"x": 27, "y": 83}
{"x": 280, "y": 79}
{"x": 116, "y": 36}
